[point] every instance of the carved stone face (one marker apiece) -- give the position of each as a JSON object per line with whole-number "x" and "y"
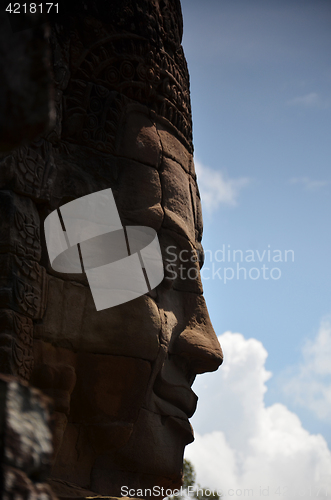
{"x": 129, "y": 368}
{"x": 121, "y": 378}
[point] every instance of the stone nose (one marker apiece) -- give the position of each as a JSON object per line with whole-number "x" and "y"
{"x": 197, "y": 343}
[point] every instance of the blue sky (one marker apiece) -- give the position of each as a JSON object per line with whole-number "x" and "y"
{"x": 261, "y": 96}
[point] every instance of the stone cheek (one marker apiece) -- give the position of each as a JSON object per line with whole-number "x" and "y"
{"x": 130, "y": 329}
{"x": 108, "y": 387}
{"x": 106, "y": 394}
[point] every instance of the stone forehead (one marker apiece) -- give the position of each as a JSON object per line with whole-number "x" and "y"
{"x": 151, "y": 174}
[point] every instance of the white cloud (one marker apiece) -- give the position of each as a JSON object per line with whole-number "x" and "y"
{"x": 308, "y": 100}
{"x": 311, "y": 100}
{"x": 308, "y": 183}
{"x": 216, "y": 189}
{"x": 310, "y": 382}
{"x": 241, "y": 445}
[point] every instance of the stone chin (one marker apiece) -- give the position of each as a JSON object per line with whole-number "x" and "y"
{"x": 103, "y": 455}
{"x": 153, "y": 456}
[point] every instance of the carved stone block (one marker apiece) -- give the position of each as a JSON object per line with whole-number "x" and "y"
{"x": 197, "y": 210}
{"x": 22, "y": 286}
{"x": 56, "y": 381}
{"x": 138, "y": 139}
{"x": 181, "y": 263}
{"x": 16, "y": 340}
{"x": 138, "y": 195}
{"x": 29, "y": 170}
{"x": 54, "y": 373}
{"x": 173, "y": 148}
{"x": 19, "y": 229}
{"x": 91, "y": 115}
{"x": 177, "y": 202}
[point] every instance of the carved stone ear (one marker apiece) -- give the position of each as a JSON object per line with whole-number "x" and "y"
{"x": 16, "y": 340}
{"x": 23, "y": 282}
